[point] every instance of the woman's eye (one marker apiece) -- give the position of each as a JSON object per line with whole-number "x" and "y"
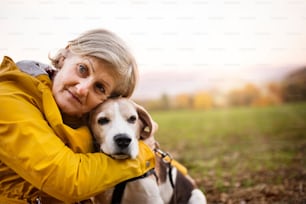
{"x": 100, "y": 88}
{"x": 83, "y": 70}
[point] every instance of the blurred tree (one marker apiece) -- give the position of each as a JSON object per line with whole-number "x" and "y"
{"x": 275, "y": 93}
{"x": 294, "y": 86}
{"x": 275, "y": 89}
{"x": 183, "y": 101}
{"x": 165, "y": 102}
{"x": 234, "y": 97}
{"x": 242, "y": 97}
{"x": 251, "y": 94}
{"x": 202, "y": 100}
{"x": 266, "y": 100}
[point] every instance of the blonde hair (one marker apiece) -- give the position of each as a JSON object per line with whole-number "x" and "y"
{"x": 107, "y": 46}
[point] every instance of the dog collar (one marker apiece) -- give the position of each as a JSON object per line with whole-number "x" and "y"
{"x": 119, "y": 188}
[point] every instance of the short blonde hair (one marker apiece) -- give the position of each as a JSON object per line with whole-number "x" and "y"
{"x": 107, "y": 46}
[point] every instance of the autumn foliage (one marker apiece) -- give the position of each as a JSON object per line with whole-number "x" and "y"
{"x": 291, "y": 89}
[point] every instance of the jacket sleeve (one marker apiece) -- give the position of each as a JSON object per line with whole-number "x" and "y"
{"x": 29, "y": 146}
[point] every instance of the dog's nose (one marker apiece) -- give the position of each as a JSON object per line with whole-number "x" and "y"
{"x": 122, "y": 140}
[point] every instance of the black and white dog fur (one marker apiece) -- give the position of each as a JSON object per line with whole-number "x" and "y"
{"x": 117, "y": 125}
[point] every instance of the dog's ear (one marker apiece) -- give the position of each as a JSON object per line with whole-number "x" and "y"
{"x": 148, "y": 126}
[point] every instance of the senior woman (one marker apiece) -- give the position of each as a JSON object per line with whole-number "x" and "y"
{"x": 45, "y": 145}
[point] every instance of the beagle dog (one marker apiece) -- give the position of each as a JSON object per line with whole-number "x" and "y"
{"x": 117, "y": 125}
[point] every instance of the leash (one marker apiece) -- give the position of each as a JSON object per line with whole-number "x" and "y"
{"x": 168, "y": 160}
{"x": 119, "y": 188}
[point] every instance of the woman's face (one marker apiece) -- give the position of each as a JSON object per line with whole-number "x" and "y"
{"x": 81, "y": 84}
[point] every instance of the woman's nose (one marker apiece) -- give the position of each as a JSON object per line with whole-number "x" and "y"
{"x": 83, "y": 88}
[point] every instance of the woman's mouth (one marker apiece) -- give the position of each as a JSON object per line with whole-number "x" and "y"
{"x": 74, "y": 96}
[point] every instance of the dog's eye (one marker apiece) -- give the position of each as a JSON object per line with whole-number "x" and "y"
{"x": 132, "y": 119}
{"x": 103, "y": 120}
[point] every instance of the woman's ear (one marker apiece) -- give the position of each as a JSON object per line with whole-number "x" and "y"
{"x": 62, "y": 56}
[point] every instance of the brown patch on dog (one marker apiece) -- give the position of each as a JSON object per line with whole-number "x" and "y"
{"x": 182, "y": 190}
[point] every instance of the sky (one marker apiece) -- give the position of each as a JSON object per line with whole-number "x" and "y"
{"x": 180, "y": 46}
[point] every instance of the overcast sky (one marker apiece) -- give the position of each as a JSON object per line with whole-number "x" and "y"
{"x": 179, "y": 45}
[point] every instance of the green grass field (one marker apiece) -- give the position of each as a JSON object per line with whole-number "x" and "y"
{"x": 220, "y": 144}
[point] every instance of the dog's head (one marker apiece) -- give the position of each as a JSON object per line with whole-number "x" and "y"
{"x": 117, "y": 124}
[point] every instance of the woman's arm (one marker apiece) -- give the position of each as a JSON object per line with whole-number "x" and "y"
{"x": 31, "y": 148}
{"x": 34, "y": 152}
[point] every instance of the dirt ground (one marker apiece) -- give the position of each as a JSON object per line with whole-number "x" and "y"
{"x": 286, "y": 185}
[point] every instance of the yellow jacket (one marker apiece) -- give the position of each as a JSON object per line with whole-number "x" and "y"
{"x": 38, "y": 153}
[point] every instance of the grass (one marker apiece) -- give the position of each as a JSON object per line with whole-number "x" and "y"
{"x": 229, "y": 142}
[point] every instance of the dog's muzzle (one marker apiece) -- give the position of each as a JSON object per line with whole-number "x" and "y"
{"x": 122, "y": 142}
